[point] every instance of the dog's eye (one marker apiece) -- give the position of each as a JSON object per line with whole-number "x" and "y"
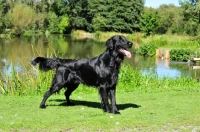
{"x": 121, "y": 40}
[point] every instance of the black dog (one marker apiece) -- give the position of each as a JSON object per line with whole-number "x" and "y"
{"x": 101, "y": 72}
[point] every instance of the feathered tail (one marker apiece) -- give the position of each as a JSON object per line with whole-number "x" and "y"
{"x": 46, "y": 64}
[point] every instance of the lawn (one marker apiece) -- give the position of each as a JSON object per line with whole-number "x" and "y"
{"x": 154, "y": 110}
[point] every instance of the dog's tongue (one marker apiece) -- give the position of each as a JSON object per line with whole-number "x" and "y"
{"x": 127, "y": 53}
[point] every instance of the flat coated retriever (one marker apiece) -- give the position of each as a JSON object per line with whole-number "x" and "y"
{"x": 100, "y": 72}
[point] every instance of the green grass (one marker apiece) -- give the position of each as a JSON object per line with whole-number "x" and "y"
{"x": 158, "y": 110}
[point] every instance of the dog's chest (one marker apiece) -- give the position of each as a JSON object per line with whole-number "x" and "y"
{"x": 108, "y": 76}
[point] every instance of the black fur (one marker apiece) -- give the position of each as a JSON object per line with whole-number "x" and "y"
{"x": 100, "y": 72}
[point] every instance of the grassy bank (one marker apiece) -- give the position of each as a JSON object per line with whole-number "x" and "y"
{"x": 161, "y": 41}
{"x": 166, "y": 110}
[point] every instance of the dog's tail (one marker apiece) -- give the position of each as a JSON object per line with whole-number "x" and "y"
{"x": 46, "y": 64}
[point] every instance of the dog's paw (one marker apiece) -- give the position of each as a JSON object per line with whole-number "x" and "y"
{"x": 116, "y": 112}
{"x": 42, "y": 106}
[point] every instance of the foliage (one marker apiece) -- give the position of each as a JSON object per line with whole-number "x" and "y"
{"x": 191, "y": 16}
{"x": 180, "y": 54}
{"x": 78, "y": 14}
{"x": 97, "y": 15}
{"x": 168, "y": 17}
{"x": 1, "y": 15}
{"x": 53, "y": 22}
{"x": 60, "y": 7}
{"x": 63, "y": 24}
{"x": 21, "y": 17}
{"x": 147, "y": 50}
{"x": 106, "y": 17}
{"x": 149, "y": 22}
{"x": 57, "y": 24}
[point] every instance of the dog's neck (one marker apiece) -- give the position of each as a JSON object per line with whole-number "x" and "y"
{"x": 115, "y": 58}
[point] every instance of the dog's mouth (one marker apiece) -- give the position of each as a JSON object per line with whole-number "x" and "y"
{"x": 125, "y": 52}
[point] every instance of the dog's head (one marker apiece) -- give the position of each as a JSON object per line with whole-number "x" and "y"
{"x": 120, "y": 44}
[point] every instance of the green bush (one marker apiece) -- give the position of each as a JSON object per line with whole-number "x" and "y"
{"x": 180, "y": 54}
{"x": 147, "y": 50}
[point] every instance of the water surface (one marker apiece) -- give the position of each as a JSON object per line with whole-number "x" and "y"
{"x": 18, "y": 52}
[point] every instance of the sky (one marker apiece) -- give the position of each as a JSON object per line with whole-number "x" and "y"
{"x": 157, "y": 3}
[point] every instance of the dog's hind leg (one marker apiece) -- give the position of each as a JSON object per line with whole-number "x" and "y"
{"x": 53, "y": 89}
{"x": 70, "y": 89}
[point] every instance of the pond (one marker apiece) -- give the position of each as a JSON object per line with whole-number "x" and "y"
{"x": 18, "y": 52}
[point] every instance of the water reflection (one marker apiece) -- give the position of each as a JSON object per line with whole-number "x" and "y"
{"x": 167, "y": 68}
{"x": 163, "y": 69}
{"x": 17, "y": 52}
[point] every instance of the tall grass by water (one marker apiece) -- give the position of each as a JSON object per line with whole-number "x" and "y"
{"x": 34, "y": 82}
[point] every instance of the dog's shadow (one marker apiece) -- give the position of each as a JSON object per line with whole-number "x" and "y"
{"x": 93, "y": 104}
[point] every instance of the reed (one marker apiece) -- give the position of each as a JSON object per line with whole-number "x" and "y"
{"x": 35, "y": 82}
{"x": 131, "y": 80}
{"x": 29, "y": 82}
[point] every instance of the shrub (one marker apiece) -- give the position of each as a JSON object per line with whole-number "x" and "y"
{"x": 21, "y": 16}
{"x": 147, "y": 50}
{"x": 180, "y": 54}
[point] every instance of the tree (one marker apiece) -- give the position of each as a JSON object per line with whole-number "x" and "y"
{"x": 101, "y": 15}
{"x": 63, "y": 24}
{"x": 149, "y": 22}
{"x": 168, "y": 15}
{"x": 60, "y": 7}
{"x": 191, "y": 16}
{"x": 53, "y": 22}
{"x": 1, "y": 15}
{"x": 77, "y": 12}
{"x": 21, "y": 17}
{"x": 57, "y": 24}
{"x": 106, "y": 17}
{"x": 194, "y": 2}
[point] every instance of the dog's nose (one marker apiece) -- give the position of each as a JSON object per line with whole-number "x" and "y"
{"x": 130, "y": 44}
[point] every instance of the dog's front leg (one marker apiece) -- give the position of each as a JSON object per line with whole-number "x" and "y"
{"x": 104, "y": 99}
{"x": 113, "y": 100}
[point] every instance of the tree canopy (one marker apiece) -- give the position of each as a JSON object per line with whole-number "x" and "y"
{"x": 127, "y": 16}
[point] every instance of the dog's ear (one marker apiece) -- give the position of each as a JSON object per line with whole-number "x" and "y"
{"x": 110, "y": 43}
